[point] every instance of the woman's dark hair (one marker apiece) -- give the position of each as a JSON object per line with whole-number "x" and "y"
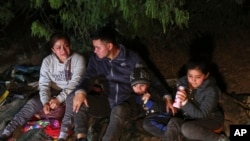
{"x": 57, "y": 36}
{"x": 201, "y": 65}
{"x": 105, "y": 33}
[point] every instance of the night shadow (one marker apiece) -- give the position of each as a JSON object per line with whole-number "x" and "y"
{"x": 202, "y": 48}
{"x": 137, "y": 46}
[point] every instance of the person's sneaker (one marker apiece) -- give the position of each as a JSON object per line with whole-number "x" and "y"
{"x": 4, "y": 137}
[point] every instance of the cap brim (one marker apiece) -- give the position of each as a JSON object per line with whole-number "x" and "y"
{"x": 139, "y": 82}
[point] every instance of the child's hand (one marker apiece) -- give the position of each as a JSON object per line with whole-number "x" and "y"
{"x": 182, "y": 95}
{"x": 145, "y": 97}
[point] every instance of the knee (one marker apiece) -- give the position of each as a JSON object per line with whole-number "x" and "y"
{"x": 121, "y": 112}
{"x": 146, "y": 125}
{"x": 186, "y": 130}
{"x": 33, "y": 102}
{"x": 175, "y": 122}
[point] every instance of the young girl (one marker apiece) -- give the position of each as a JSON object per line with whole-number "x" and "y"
{"x": 201, "y": 113}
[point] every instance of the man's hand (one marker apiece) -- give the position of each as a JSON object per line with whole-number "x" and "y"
{"x": 78, "y": 100}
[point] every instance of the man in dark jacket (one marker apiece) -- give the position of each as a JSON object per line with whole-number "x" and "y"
{"x": 112, "y": 65}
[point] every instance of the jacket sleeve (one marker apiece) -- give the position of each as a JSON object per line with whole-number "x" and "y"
{"x": 205, "y": 105}
{"x": 44, "y": 82}
{"x": 89, "y": 73}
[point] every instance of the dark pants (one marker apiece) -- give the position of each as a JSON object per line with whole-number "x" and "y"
{"x": 199, "y": 129}
{"x": 202, "y": 130}
{"x": 99, "y": 106}
{"x": 173, "y": 129}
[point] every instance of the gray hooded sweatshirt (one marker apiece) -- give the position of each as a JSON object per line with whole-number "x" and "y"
{"x": 61, "y": 77}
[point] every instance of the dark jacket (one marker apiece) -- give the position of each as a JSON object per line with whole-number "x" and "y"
{"x": 154, "y": 105}
{"x": 203, "y": 102}
{"x": 114, "y": 75}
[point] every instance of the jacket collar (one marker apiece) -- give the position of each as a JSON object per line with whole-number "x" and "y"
{"x": 120, "y": 57}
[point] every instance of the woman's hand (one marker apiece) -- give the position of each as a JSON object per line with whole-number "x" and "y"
{"x": 78, "y": 100}
{"x": 46, "y": 108}
{"x": 54, "y": 103}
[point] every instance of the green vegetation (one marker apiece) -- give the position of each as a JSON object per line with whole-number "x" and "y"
{"x": 151, "y": 20}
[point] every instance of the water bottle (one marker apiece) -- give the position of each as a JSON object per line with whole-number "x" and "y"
{"x": 177, "y": 102}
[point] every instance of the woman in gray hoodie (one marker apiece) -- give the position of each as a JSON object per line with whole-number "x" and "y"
{"x": 60, "y": 73}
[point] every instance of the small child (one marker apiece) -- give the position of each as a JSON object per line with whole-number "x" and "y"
{"x": 156, "y": 118}
{"x": 140, "y": 82}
